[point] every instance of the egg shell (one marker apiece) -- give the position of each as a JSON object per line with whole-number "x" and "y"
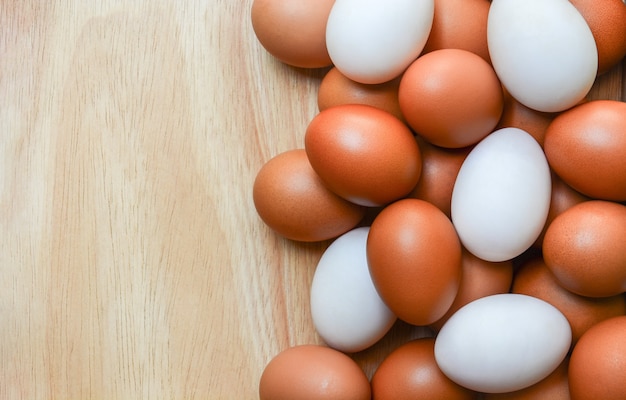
{"x": 364, "y": 154}
{"x": 501, "y": 196}
{"x": 586, "y": 147}
{"x": 460, "y": 24}
{"x": 543, "y": 52}
{"x": 373, "y": 41}
{"x": 293, "y": 31}
{"x": 535, "y": 279}
{"x": 598, "y": 362}
{"x": 347, "y": 311}
{"x": 293, "y": 201}
{"x": 584, "y": 248}
{"x": 312, "y": 372}
{"x": 410, "y": 372}
{"x": 451, "y": 98}
{"x": 502, "y": 343}
{"x": 414, "y": 258}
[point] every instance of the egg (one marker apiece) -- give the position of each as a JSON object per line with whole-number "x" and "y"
{"x": 293, "y": 31}
{"x": 373, "y": 41}
{"x": 414, "y": 258}
{"x": 584, "y": 248}
{"x": 313, "y": 372}
{"x": 336, "y": 89}
{"x": 534, "y": 278}
{"x": 293, "y": 201}
{"x": 347, "y": 311}
{"x": 586, "y": 147}
{"x": 410, "y": 372}
{"x": 364, "y": 154}
{"x": 502, "y": 343}
{"x": 460, "y": 24}
{"x": 598, "y": 362}
{"x": 501, "y": 196}
{"x": 543, "y": 51}
{"x": 451, "y": 98}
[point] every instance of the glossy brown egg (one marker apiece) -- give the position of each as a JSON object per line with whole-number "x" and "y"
{"x": 364, "y": 154}
{"x": 336, "y": 89}
{"x": 293, "y": 31}
{"x": 554, "y": 387}
{"x": 584, "y": 248}
{"x": 411, "y": 372}
{"x": 414, "y": 257}
{"x": 598, "y": 362}
{"x": 440, "y": 167}
{"x": 479, "y": 279}
{"x": 460, "y": 24}
{"x": 607, "y": 21}
{"x": 292, "y": 200}
{"x": 586, "y": 147}
{"x": 535, "y": 279}
{"x": 452, "y": 98}
{"x": 311, "y": 372}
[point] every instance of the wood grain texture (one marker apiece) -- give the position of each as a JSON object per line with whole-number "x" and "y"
{"x": 132, "y": 262}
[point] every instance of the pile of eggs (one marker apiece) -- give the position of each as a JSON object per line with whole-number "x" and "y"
{"x": 497, "y": 192}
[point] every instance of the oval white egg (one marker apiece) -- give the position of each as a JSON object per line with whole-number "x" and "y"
{"x": 543, "y": 51}
{"x": 501, "y": 196}
{"x": 346, "y": 309}
{"x": 374, "y": 41}
{"x": 502, "y": 343}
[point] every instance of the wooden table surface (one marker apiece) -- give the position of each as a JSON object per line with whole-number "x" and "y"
{"x": 132, "y": 262}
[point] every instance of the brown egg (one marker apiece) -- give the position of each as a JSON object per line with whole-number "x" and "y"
{"x": 479, "y": 279}
{"x": 451, "y": 98}
{"x": 598, "y": 363}
{"x": 535, "y": 279}
{"x": 364, "y": 154}
{"x": 311, "y": 372}
{"x": 554, "y": 387}
{"x": 584, "y": 248}
{"x": 440, "y": 167}
{"x": 414, "y": 257}
{"x": 607, "y": 20}
{"x": 586, "y": 147}
{"x": 411, "y": 372}
{"x": 460, "y": 24}
{"x": 517, "y": 115}
{"x": 293, "y": 31}
{"x": 292, "y": 200}
{"x": 336, "y": 89}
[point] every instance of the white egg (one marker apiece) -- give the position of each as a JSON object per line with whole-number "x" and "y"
{"x": 346, "y": 309}
{"x": 502, "y": 343}
{"x": 543, "y": 51}
{"x": 501, "y": 196}
{"x": 374, "y": 41}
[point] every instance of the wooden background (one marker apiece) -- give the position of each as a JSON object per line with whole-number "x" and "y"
{"x": 132, "y": 262}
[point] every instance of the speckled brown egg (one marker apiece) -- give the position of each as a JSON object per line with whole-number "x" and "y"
{"x": 414, "y": 257}
{"x": 363, "y": 154}
{"x": 440, "y": 167}
{"x": 607, "y": 21}
{"x": 411, "y": 372}
{"x": 336, "y": 89}
{"x": 311, "y": 372}
{"x": 479, "y": 279}
{"x": 293, "y": 31}
{"x": 584, "y": 248}
{"x": 535, "y": 279}
{"x": 452, "y": 98}
{"x": 292, "y": 200}
{"x": 586, "y": 147}
{"x": 598, "y": 362}
{"x": 460, "y": 24}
